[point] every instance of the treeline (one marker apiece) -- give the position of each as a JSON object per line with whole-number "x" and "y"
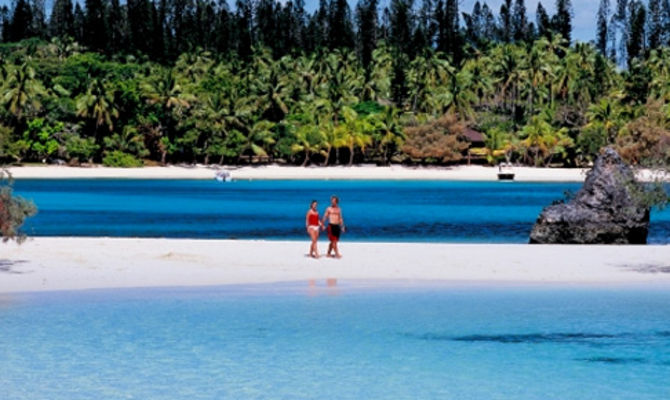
{"x": 540, "y": 103}
{"x": 164, "y": 29}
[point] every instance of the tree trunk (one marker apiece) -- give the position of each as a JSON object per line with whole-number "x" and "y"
{"x": 206, "y": 159}
{"x": 337, "y": 155}
{"x": 221, "y": 159}
{"x": 325, "y": 162}
{"x": 351, "y": 156}
{"x": 163, "y": 156}
{"x": 304, "y": 163}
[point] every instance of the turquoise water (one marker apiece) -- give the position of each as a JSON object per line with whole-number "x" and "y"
{"x": 291, "y": 342}
{"x": 373, "y": 210}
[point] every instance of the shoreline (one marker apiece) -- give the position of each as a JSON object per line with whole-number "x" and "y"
{"x": 48, "y": 264}
{"x": 276, "y": 172}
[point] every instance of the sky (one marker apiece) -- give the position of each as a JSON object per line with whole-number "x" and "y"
{"x": 584, "y": 11}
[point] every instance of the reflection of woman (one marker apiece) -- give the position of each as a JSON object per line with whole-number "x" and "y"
{"x": 313, "y": 225}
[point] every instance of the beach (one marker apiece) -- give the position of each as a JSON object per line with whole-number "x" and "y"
{"x": 57, "y": 263}
{"x": 276, "y": 172}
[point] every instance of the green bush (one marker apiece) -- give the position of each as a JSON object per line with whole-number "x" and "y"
{"x": 81, "y": 149}
{"x": 120, "y": 159}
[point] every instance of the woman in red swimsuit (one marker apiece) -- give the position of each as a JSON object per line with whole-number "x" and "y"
{"x": 313, "y": 225}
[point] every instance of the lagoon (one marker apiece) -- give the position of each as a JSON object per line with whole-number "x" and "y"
{"x": 343, "y": 341}
{"x": 406, "y": 211}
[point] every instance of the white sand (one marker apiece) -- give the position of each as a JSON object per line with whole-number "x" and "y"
{"x": 460, "y": 173}
{"x": 45, "y": 264}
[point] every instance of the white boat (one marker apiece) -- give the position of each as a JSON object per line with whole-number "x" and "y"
{"x": 223, "y": 176}
{"x": 505, "y": 172}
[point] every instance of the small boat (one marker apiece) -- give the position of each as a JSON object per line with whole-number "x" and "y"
{"x": 223, "y": 176}
{"x": 505, "y": 172}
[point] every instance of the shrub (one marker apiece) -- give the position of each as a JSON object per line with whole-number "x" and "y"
{"x": 81, "y": 149}
{"x": 120, "y": 159}
{"x": 439, "y": 140}
{"x": 646, "y": 139}
{"x": 13, "y": 211}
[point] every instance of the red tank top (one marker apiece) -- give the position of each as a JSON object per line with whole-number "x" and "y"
{"x": 313, "y": 219}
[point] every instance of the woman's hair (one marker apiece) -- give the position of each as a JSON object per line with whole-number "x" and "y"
{"x": 312, "y": 203}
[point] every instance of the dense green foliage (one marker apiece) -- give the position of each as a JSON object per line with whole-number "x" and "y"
{"x": 192, "y": 81}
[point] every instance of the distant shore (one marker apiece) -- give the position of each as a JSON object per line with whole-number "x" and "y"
{"x": 275, "y": 172}
{"x": 51, "y": 264}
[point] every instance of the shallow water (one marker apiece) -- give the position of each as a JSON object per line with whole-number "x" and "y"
{"x": 295, "y": 342}
{"x": 374, "y": 210}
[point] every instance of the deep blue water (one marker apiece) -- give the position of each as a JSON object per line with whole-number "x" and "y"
{"x": 373, "y": 210}
{"x": 291, "y": 342}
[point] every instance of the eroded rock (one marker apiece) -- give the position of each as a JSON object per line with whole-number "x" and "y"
{"x": 606, "y": 210}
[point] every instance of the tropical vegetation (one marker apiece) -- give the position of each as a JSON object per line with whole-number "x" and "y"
{"x": 192, "y": 81}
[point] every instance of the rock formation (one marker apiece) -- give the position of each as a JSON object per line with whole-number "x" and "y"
{"x": 606, "y": 210}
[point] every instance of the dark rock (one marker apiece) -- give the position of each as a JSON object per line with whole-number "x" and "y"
{"x": 606, "y": 210}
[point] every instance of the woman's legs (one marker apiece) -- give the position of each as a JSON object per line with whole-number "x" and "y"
{"x": 313, "y": 250}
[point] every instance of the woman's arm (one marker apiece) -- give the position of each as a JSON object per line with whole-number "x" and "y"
{"x": 307, "y": 220}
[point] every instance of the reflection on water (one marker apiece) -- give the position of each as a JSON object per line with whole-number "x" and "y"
{"x": 316, "y": 287}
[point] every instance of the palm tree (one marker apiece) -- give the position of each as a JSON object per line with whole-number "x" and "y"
{"x": 130, "y": 141}
{"x": 22, "y": 92}
{"x": 539, "y": 73}
{"x": 463, "y": 97}
{"x": 97, "y": 106}
{"x": 499, "y": 144}
{"x": 258, "y": 137}
{"x": 507, "y": 72}
{"x": 217, "y": 116}
{"x": 354, "y": 132}
{"x": 608, "y": 114}
{"x": 309, "y": 139}
{"x": 271, "y": 84}
{"x": 427, "y": 82}
{"x": 542, "y": 141}
{"x": 340, "y": 81}
{"x": 378, "y": 86}
{"x": 659, "y": 65}
{"x": 166, "y": 93}
{"x": 480, "y": 78}
{"x": 388, "y": 132}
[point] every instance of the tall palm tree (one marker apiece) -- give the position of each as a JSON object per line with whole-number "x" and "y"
{"x": 22, "y": 92}
{"x": 609, "y": 114}
{"x": 97, "y": 106}
{"x": 165, "y": 92}
{"x": 354, "y": 132}
{"x": 217, "y": 116}
{"x": 378, "y": 86}
{"x": 388, "y": 132}
{"x": 272, "y": 85}
{"x": 539, "y": 73}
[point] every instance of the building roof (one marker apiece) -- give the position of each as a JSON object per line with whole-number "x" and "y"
{"x": 473, "y": 136}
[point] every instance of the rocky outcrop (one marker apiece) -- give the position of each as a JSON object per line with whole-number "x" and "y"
{"x": 606, "y": 210}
